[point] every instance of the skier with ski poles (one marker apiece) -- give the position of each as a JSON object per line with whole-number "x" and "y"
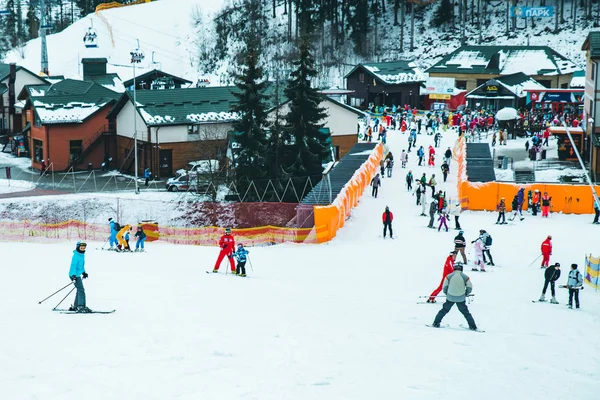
{"x": 457, "y": 286}
{"x": 448, "y": 269}
{"x": 241, "y": 254}
{"x": 76, "y": 274}
{"x": 551, "y": 275}
{"x": 546, "y": 248}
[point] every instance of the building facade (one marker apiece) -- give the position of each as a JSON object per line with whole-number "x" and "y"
{"x": 591, "y": 123}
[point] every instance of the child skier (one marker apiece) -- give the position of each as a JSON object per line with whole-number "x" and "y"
{"x": 443, "y": 218}
{"x": 501, "y": 207}
{"x": 478, "y": 246}
{"x": 241, "y": 254}
{"x": 141, "y": 238}
{"x": 76, "y": 274}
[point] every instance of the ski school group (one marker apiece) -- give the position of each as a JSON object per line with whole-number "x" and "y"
{"x": 455, "y": 284}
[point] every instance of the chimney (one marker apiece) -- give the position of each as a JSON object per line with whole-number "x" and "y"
{"x": 94, "y": 66}
{"x": 12, "y": 77}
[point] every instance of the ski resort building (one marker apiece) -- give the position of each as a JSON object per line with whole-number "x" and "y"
{"x": 591, "y": 120}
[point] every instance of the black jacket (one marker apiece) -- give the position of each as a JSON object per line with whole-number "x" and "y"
{"x": 552, "y": 274}
{"x": 460, "y": 242}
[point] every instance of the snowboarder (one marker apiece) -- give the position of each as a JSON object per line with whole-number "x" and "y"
{"x": 546, "y": 251}
{"x": 241, "y": 254}
{"x": 387, "y": 217}
{"x": 141, "y": 238}
{"x": 375, "y": 182}
{"x": 76, "y": 274}
{"x": 409, "y": 180}
{"x": 574, "y": 284}
{"x": 227, "y": 244}
{"x": 445, "y": 170}
{"x": 114, "y": 229}
{"x": 459, "y": 245}
{"x": 457, "y": 286}
{"x": 501, "y": 207}
{"x": 448, "y": 269}
{"x": 551, "y": 275}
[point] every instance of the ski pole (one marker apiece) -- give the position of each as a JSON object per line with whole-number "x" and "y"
{"x": 63, "y": 299}
{"x": 534, "y": 260}
{"x": 64, "y": 287}
{"x": 250, "y": 261}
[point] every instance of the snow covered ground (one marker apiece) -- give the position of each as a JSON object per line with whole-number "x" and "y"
{"x": 332, "y": 321}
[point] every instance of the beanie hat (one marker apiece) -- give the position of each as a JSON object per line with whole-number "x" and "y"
{"x": 110, "y": 219}
{"x": 458, "y": 265}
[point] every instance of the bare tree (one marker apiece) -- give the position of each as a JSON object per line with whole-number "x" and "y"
{"x": 211, "y": 146}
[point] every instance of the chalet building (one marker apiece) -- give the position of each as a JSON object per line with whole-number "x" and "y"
{"x": 591, "y": 105}
{"x": 66, "y": 124}
{"x": 473, "y": 66}
{"x": 505, "y": 91}
{"x": 12, "y": 80}
{"x": 94, "y": 70}
{"x": 156, "y": 79}
{"x": 385, "y": 83}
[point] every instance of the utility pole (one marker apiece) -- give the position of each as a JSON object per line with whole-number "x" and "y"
{"x": 44, "y": 58}
{"x": 136, "y": 57}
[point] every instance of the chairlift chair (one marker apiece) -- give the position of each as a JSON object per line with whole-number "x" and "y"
{"x": 90, "y": 39}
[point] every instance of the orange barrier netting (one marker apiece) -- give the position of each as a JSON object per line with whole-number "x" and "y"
{"x": 479, "y": 196}
{"x": 28, "y": 231}
{"x": 328, "y": 219}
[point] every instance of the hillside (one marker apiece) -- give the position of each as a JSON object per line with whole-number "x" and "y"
{"x": 182, "y": 37}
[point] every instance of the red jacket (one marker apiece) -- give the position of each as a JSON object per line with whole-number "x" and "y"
{"x": 448, "y": 266}
{"x": 546, "y": 247}
{"x": 383, "y": 216}
{"x": 227, "y": 243}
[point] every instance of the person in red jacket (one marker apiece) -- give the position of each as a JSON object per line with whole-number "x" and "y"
{"x": 448, "y": 269}
{"x": 546, "y": 251}
{"x": 387, "y": 219}
{"x": 227, "y": 245}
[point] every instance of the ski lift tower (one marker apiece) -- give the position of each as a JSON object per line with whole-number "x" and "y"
{"x": 136, "y": 57}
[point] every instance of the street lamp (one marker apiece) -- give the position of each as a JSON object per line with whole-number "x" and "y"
{"x": 136, "y": 57}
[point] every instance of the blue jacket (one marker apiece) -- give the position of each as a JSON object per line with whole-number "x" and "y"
{"x": 521, "y": 195}
{"x": 575, "y": 279}
{"x": 420, "y": 152}
{"x": 241, "y": 254}
{"x": 77, "y": 264}
{"x": 113, "y": 231}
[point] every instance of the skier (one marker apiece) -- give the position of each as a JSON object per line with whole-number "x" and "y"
{"x": 478, "y": 246}
{"x": 501, "y": 207}
{"x": 387, "y": 217}
{"x": 122, "y": 246}
{"x": 432, "y": 184}
{"x": 431, "y": 161}
{"x": 521, "y": 199}
{"x": 227, "y": 244}
{"x": 545, "y": 204}
{"x": 535, "y": 202}
{"x": 551, "y": 275}
{"x": 409, "y": 180}
{"x": 404, "y": 158}
{"x": 546, "y": 251}
{"x": 445, "y": 170}
{"x": 375, "y": 182}
{"x": 457, "y": 286}
{"x": 114, "y": 229}
{"x": 448, "y": 156}
{"x": 574, "y": 284}
{"x": 432, "y": 210}
{"x": 443, "y": 218}
{"x": 448, "y": 269}
{"x": 77, "y": 273}
{"x": 459, "y": 245}
{"x": 419, "y": 191}
{"x": 423, "y": 206}
{"x": 141, "y": 238}
{"x": 515, "y": 207}
{"x": 486, "y": 238}
{"x": 420, "y": 154}
{"x": 241, "y": 254}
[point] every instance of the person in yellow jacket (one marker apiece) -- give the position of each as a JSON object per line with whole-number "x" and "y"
{"x": 123, "y": 246}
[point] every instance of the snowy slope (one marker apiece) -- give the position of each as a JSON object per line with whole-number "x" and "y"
{"x": 319, "y": 322}
{"x": 164, "y": 27}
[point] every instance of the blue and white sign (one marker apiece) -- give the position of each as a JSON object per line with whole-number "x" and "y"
{"x": 532, "y": 12}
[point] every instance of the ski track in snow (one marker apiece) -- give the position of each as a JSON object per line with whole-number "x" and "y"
{"x": 331, "y": 321}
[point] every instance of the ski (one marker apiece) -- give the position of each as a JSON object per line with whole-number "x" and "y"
{"x": 543, "y": 301}
{"x": 438, "y": 327}
{"x": 66, "y": 311}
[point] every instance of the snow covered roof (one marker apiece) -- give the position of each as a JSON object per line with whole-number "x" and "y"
{"x": 514, "y": 83}
{"x": 394, "y": 72}
{"x": 578, "y": 80}
{"x": 505, "y": 60}
{"x": 65, "y": 113}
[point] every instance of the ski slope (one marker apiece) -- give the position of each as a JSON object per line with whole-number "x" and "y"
{"x": 320, "y": 322}
{"x": 163, "y": 27}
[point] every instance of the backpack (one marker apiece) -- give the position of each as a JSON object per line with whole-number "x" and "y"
{"x": 117, "y": 227}
{"x": 488, "y": 240}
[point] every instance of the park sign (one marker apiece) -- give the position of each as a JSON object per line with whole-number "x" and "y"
{"x": 531, "y": 12}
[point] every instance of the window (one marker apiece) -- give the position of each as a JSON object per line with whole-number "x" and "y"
{"x": 461, "y": 85}
{"x": 546, "y": 83}
{"x": 564, "y": 86}
{"x": 38, "y": 150}
{"x": 361, "y": 78}
{"x": 193, "y": 129}
{"x": 75, "y": 151}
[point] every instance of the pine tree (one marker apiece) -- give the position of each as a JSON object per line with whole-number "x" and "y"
{"x": 32, "y": 21}
{"x": 252, "y": 160}
{"x": 11, "y": 23}
{"x": 359, "y": 25}
{"x": 306, "y": 146}
{"x": 443, "y": 14}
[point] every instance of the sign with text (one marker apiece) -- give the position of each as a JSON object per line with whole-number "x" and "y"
{"x": 436, "y": 96}
{"x": 532, "y": 12}
{"x": 440, "y": 85}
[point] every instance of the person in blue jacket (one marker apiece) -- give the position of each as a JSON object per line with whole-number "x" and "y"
{"x": 521, "y": 199}
{"x": 77, "y": 273}
{"x": 141, "y": 238}
{"x": 241, "y": 254}
{"x": 113, "y": 234}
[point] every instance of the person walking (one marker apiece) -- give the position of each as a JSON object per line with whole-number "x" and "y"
{"x": 387, "y": 217}
{"x": 457, "y": 286}
{"x": 501, "y": 207}
{"x": 448, "y": 156}
{"x": 551, "y": 275}
{"x": 375, "y": 183}
{"x": 448, "y": 269}
{"x": 409, "y": 180}
{"x": 420, "y": 154}
{"x": 456, "y": 210}
{"x": 546, "y": 248}
{"x": 77, "y": 274}
{"x": 460, "y": 244}
{"x": 574, "y": 284}
{"x": 389, "y": 165}
{"x": 227, "y": 245}
{"x": 432, "y": 211}
{"x": 445, "y": 170}
{"x": 432, "y": 184}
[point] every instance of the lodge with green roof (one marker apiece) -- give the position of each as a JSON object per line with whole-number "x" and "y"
{"x": 385, "y": 83}
{"x": 472, "y": 66}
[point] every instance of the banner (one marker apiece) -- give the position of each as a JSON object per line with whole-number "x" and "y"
{"x": 592, "y": 271}
{"x": 531, "y": 12}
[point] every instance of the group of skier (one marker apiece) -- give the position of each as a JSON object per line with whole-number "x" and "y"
{"x": 227, "y": 245}
{"x": 120, "y": 235}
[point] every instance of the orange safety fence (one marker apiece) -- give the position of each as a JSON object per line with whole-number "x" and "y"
{"x": 29, "y": 231}
{"x": 480, "y": 196}
{"x": 114, "y": 4}
{"x": 330, "y": 218}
